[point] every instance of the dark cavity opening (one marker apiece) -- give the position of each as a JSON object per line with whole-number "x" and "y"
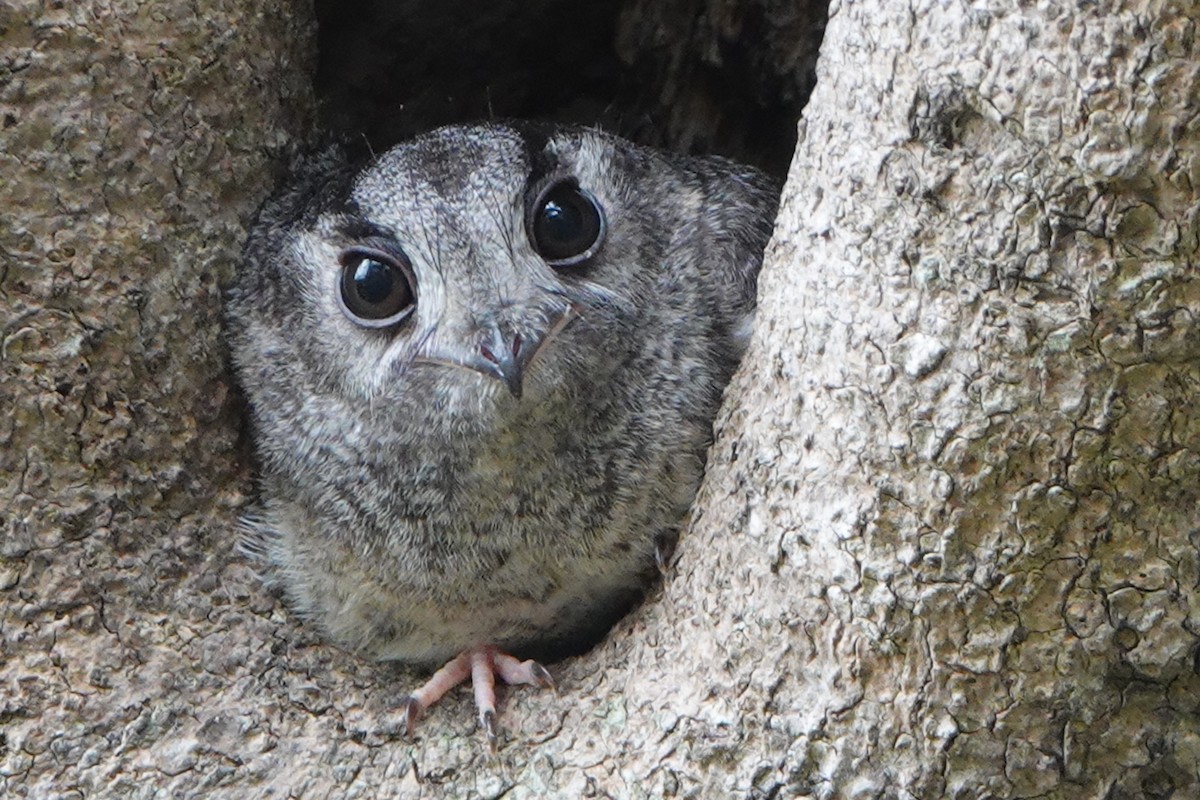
{"x": 695, "y": 76}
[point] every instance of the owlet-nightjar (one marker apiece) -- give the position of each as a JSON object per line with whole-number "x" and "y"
{"x": 482, "y": 370}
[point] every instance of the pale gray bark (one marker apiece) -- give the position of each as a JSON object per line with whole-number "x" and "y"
{"x": 947, "y": 547}
{"x": 963, "y": 511}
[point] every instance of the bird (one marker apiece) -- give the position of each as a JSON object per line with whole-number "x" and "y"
{"x": 481, "y": 371}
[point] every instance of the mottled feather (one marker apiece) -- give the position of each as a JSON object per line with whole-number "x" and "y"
{"x": 415, "y": 509}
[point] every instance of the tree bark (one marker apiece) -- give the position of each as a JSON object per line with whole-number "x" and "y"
{"x": 961, "y": 480}
{"x": 135, "y": 140}
{"x": 947, "y": 544}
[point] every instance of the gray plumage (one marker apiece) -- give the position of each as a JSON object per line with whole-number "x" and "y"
{"x": 422, "y": 492}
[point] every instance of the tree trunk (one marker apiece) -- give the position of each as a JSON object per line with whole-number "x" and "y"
{"x": 947, "y": 542}
{"x": 954, "y": 514}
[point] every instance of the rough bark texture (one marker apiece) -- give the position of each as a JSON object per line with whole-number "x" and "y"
{"x": 963, "y": 483}
{"x": 947, "y": 547}
{"x": 135, "y": 140}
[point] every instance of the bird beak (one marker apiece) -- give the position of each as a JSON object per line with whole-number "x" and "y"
{"x": 505, "y": 357}
{"x": 503, "y": 354}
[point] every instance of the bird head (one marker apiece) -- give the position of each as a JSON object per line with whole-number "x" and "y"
{"x": 485, "y": 269}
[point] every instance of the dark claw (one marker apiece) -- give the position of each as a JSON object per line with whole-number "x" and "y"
{"x": 412, "y": 712}
{"x": 542, "y": 676}
{"x": 664, "y": 549}
{"x": 488, "y": 721}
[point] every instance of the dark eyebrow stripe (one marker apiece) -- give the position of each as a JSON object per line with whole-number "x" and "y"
{"x": 357, "y": 228}
{"x": 536, "y": 140}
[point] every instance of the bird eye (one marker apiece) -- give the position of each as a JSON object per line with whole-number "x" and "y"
{"x": 566, "y": 224}
{"x": 376, "y": 289}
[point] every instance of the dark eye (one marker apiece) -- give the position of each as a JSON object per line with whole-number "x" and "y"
{"x": 565, "y": 224}
{"x": 376, "y": 289}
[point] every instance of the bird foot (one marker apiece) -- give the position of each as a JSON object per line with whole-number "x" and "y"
{"x": 481, "y": 665}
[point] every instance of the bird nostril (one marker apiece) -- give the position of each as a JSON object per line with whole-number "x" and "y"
{"x": 488, "y": 354}
{"x": 516, "y": 345}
